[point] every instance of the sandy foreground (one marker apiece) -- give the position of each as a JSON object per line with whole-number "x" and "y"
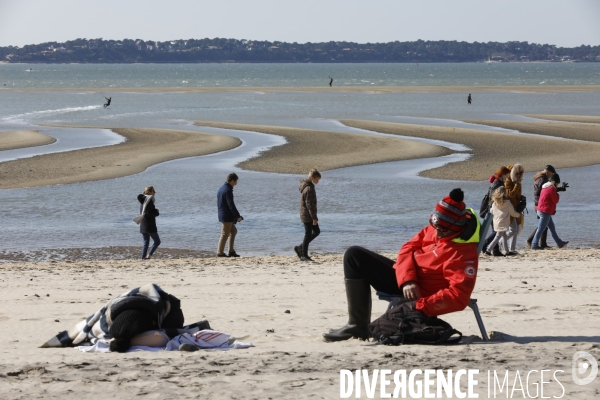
{"x": 491, "y": 150}
{"x": 307, "y": 149}
{"x": 20, "y": 139}
{"x": 569, "y": 130}
{"x": 542, "y": 306}
{"x": 568, "y": 118}
{"x": 144, "y": 147}
{"x": 324, "y": 88}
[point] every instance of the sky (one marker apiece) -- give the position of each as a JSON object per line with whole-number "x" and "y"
{"x": 565, "y": 23}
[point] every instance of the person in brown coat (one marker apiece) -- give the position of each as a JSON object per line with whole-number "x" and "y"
{"x": 308, "y": 213}
{"x": 514, "y": 189}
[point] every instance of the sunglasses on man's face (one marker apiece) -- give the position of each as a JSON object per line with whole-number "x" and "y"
{"x": 438, "y": 228}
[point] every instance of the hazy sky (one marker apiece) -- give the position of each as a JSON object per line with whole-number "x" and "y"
{"x": 561, "y": 22}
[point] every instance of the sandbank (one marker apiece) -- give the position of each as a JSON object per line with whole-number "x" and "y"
{"x": 568, "y": 130}
{"x": 541, "y": 307}
{"x": 492, "y": 149}
{"x": 143, "y": 148}
{"x": 348, "y": 88}
{"x": 568, "y": 118}
{"x": 307, "y": 149}
{"x": 19, "y": 139}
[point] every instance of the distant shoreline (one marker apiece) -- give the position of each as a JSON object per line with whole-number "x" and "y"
{"x": 357, "y": 89}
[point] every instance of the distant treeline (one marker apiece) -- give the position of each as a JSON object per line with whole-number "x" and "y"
{"x": 254, "y": 51}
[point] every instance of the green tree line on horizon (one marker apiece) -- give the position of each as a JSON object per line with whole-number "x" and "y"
{"x": 253, "y": 51}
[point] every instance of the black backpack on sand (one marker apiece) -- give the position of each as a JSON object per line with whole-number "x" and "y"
{"x": 403, "y": 324}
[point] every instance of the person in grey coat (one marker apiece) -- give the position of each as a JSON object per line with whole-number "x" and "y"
{"x": 308, "y": 213}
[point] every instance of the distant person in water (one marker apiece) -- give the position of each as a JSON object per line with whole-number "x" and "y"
{"x": 108, "y": 99}
{"x": 330, "y": 81}
{"x": 469, "y": 98}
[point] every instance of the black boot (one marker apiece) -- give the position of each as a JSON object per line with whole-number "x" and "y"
{"x": 530, "y": 238}
{"x": 543, "y": 243}
{"x": 358, "y": 295}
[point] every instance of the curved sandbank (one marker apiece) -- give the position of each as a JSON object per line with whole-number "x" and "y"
{"x": 143, "y": 148}
{"x": 324, "y": 150}
{"x": 567, "y": 118}
{"x": 567, "y": 130}
{"x": 492, "y": 149}
{"x": 21, "y": 139}
{"x": 324, "y": 88}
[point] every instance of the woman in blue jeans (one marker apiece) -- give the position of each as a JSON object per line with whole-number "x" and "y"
{"x": 148, "y": 225}
{"x": 546, "y": 208}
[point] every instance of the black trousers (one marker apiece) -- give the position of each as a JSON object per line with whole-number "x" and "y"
{"x": 310, "y": 233}
{"x": 377, "y": 270}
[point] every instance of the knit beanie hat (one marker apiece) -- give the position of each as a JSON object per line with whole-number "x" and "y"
{"x": 450, "y": 212}
{"x": 555, "y": 178}
{"x": 132, "y": 322}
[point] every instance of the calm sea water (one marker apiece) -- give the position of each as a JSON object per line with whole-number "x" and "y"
{"x": 379, "y": 206}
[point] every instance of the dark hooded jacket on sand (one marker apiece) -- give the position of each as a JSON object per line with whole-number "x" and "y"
{"x": 148, "y": 224}
{"x": 308, "y": 201}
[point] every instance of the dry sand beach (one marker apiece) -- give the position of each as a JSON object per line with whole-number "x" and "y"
{"x": 491, "y": 150}
{"x": 568, "y": 130}
{"x": 143, "y": 148}
{"x": 542, "y": 306}
{"x": 324, "y": 150}
{"x": 20, "y": 139}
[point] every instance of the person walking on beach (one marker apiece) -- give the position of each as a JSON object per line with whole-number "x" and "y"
{"x": 228, "y": 216}
{"x": 546, "y": 208}
{"x": 330, "y": 81}
{"x": 502, "y": 210}
{"x": 148, "y": 225}
{"x": 539, "y": 180}
{"x": 308, "y": 213}
{"x": 436, "y": 270}
{"x": 469, "y": 99}
{"x": 497, "y": 180}
{"x": 108, "y": 100}
{"x": 514, "y": 188}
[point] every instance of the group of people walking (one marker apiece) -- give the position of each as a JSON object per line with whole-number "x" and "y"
{"x": 229, "y": 216}
{"x": 506, "y": 204}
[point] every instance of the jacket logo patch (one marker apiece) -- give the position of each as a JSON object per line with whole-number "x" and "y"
{"x": 470, "y": 271}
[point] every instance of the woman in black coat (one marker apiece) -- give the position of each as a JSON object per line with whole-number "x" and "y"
{"x": 148, "y": 225}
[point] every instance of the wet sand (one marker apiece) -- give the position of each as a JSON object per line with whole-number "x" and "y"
{"x": 541, "y": 307}
{"x": 307, "y": 149}
{"x": 20, "y": 139}
{"x": 143, "y": 148}
{"x": 491, "y": 149}
{"x": 568, "y": 118}
{"x": 325, "y": 88}
{"x": 568, "y": 130}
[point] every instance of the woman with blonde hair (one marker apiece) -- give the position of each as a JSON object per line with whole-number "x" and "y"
{"x": 148, "y": 225}
{"x": 502, "y": 210}
{"x": 514, "y": 189}
{"x": 308, "y": 213}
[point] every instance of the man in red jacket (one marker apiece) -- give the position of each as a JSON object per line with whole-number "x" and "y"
{"x": 436, "y": 269}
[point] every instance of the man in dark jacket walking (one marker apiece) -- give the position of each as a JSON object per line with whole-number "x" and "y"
{"x": 539, "y": 180}
{"x": 228, "y": 216}
{"x": 308, "y": 213}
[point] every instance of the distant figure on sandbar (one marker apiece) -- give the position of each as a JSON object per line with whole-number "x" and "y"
{"x": 330, "y": 81}
{"x": 108, "y": 99}
{"x": 469, "y": 99}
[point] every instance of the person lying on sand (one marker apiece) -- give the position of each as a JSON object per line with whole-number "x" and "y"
{"x": 436, "y": 269}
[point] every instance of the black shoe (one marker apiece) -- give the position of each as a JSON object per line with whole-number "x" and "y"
{"x": 222, "y": 255}
{"x": 511, "y": 253}
{"x": 305, "y": 258}
{"x": 536, "y": 248}
{"x": 233, "y": 254}
{"x": 298, "y": 252}
{"x": 547, "y": 247}
{"x": 563, "y": 244}
{"x": 358, "y": 295}
{"x": 497, "y": 253}
{"x": 488, "y": 253}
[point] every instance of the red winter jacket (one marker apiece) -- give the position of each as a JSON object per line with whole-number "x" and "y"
{"x": 548, "y": 199}
{"x": 444, "y": 269}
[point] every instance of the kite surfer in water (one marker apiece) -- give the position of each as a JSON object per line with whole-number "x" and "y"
{"x": 108, "y": 99}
